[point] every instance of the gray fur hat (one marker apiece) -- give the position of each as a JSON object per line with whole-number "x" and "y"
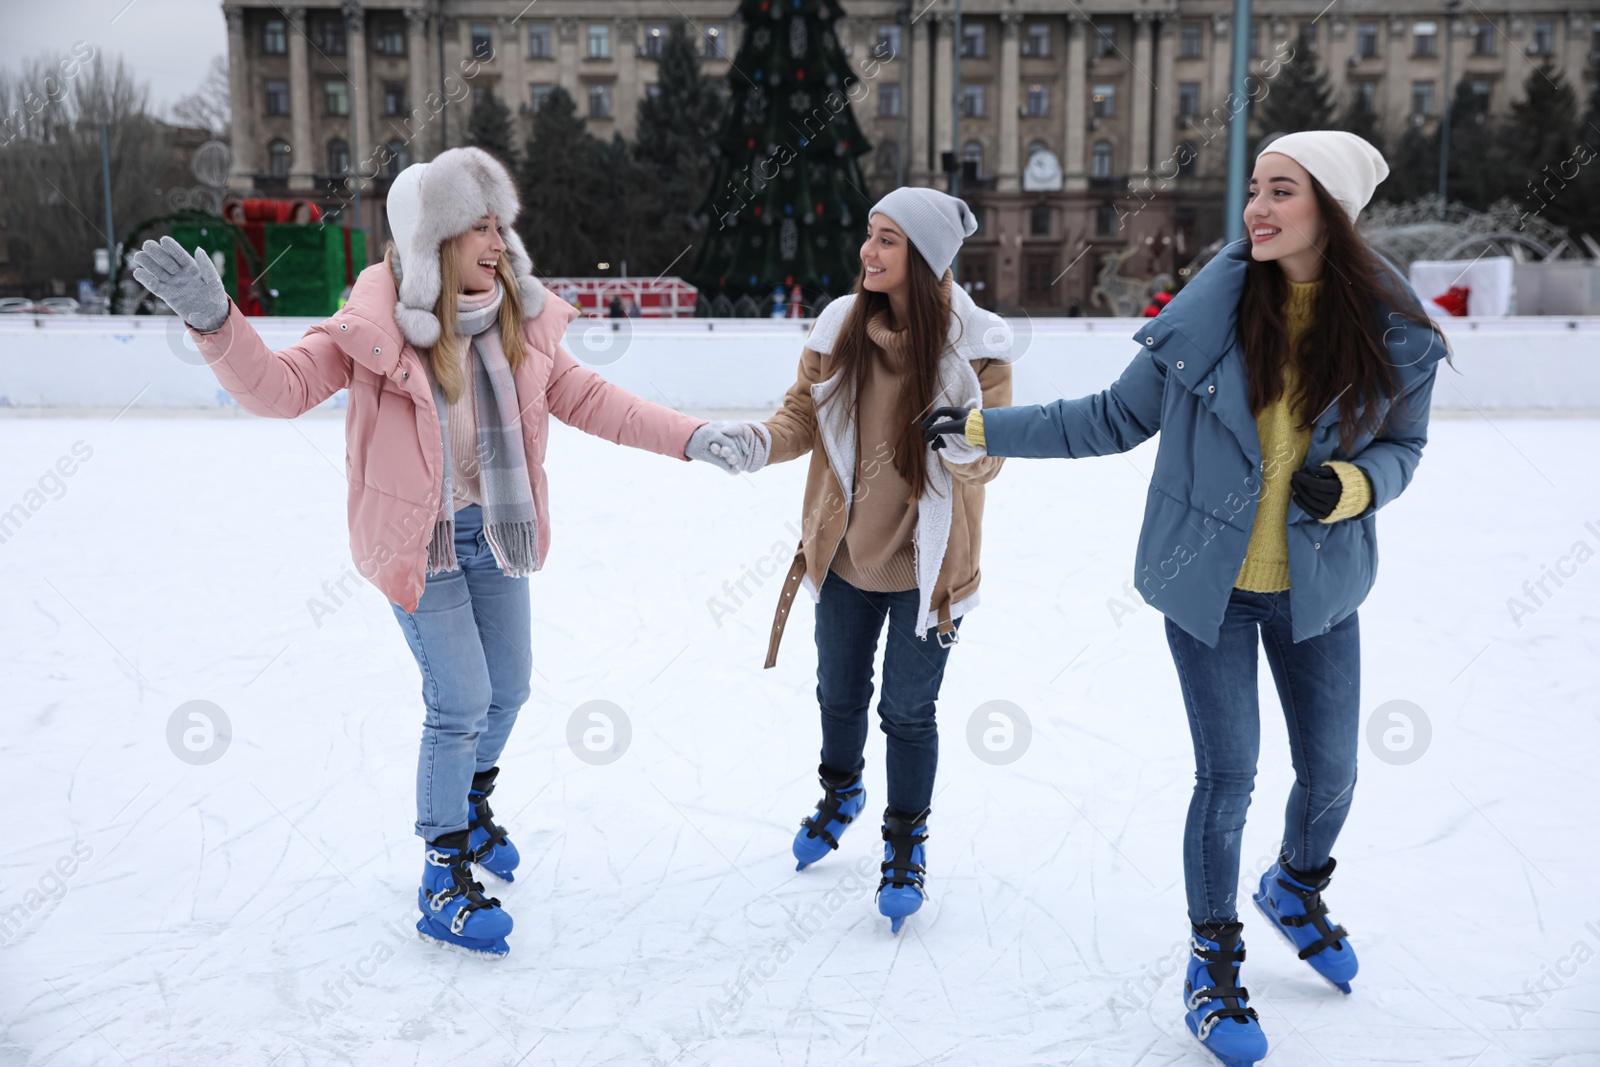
{"x": 431, "y": 202}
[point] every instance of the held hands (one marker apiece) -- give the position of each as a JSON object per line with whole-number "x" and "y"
{"x": 1317, "y": 491}
{"x": 188, "y": 284}
{"x": 733, "y": 446}
{"x": 944, "y": 421}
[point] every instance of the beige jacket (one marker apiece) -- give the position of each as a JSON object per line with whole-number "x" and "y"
{"x": 974, "y": 371}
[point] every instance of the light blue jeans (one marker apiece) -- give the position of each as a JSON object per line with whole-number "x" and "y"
{"x": 471, "y": 635}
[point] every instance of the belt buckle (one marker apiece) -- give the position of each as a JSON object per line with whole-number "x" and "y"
{"x": 954, "y": 635}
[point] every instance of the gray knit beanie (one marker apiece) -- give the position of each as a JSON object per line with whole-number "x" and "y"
{"x": 935, "y": 222}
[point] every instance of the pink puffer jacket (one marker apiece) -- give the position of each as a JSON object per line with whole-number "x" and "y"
{"x": 394, "y": 452}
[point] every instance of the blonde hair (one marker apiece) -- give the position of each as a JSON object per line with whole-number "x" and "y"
{"x": 445, "y": 357}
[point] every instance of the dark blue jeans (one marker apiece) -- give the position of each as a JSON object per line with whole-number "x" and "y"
{"x": 1319, "y": 686}
{"x": 849, "y": 621}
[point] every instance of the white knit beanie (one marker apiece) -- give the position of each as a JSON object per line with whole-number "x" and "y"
{"x": 1346, "y": 165}
{"x": 429, "y": 203}
{"x": 935, "y": 222}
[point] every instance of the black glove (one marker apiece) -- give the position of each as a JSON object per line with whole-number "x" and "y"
{"x": 1317, "y": 491}
{"x": 943, "y": 421}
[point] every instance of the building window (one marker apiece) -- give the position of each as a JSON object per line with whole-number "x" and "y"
{"x": 1105, "y": 40}
{"x": 1038, "y": 104}
{"x": 1544, "y": 39}
{"x": 972, "y": 40}
{"x": 399, "y": 158}
{"x": 1039, "y": 220}
{"x": 1187, "y": 154}
{"x": 1483, "y": 36}
{"x": 277, "y": 97}
{"x": 1188, "y": 100}
{"x": 888, "y": 43}
{"x": 394, "y": 98}
{"x": 541, "y": 93}
{"x": 337, "y": 94}
{"x": 1036, "y": 40}
{"x": 1255, "y": 39}
{"x": 1365, "y": 94}
{"x": 388, "y": 35}
{"x": 1481, "y": 91}
{"x": 972, "y": 101}
{"x": 338, "y": 156}
{"x": 482, "y": 40}
{"x": 654, "y": 37}
{"x": 1367, "y": 40}
{"x": 1421, "y": 101}
{"x": 1424, "y": 39}
{"x": 1189, "y": 46}
{"x": 539, "y": 41}
{"x": 886, "y": 159}
{"x": 1100, "y": 160}
{"x": 599, "y": 101}
{"x": 599, "y": 41}
{"x": 275, "y": 37}
{"x": 888, "y": 100}
{"x": 715, "y": 45}
{"x": 1105, "y": 101}
{"x": 972, "y": 159}
{"x": 278, "y": 158}
{"x": 1105, "y": 220}
{"x": 330, "y": 36}
{"x": 1308, "y": 38}
{"x": 980, "y": 215}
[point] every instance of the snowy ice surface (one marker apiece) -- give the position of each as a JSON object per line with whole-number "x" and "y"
{"x": 258, "y": 909}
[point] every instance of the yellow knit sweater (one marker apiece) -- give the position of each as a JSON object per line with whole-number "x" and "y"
{"x": 1283, "y": 450}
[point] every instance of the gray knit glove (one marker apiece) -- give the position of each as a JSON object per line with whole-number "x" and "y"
{"x": 752, "y": 443}
{"x": 188, "y": 284}
{"x": 712, "y": 444}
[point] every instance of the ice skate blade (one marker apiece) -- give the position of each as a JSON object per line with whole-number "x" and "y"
{"x": 1343, "y": 987}
{"x": 484, "y": 949}
{"x": 895, "y": 924}
{"x": 504, "y": 879}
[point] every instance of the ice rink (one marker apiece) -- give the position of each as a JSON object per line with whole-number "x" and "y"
{"x": 258, "y": 908}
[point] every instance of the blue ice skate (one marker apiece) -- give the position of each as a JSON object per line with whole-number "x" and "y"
{"x": 1294, "y": 905}
{"x": 454, "y": 910}
{"x": 842, "y": 800}
{"x": 1216, "y": 1007}
{"x": 491, "y": 848}
{"x": 900, "y": 890}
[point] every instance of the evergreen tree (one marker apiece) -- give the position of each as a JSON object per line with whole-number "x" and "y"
{"x": 1413, "y": 167}
{"x": 788, "y": 202}
{"x": 489, "y": 128}
{"x": 672, "y": 151}
{"x": 1299, "y": 98}
{"x": 1540, "y": 137}
{"x": 563, "y": 220}
{"x": 1359, "y": 118}
{"x": 1477, "y": 166}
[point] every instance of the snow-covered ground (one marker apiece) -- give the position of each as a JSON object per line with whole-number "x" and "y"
{"x": 257, "y": 909}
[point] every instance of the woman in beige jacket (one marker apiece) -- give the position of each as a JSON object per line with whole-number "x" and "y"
{"x": 891, "y": 528}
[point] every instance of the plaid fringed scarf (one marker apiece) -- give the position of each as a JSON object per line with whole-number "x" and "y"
{"x": 508, "y": 519}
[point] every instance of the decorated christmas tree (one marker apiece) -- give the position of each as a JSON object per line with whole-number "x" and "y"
{"x": 788, "y": 203}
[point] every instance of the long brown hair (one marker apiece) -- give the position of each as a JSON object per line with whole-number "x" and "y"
{"x": 927, "y": 330}
{"x": 445, "y": 356}
{"x": 1341, "y": 357}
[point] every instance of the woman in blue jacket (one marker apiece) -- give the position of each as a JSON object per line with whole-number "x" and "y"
{"x": 1290, "y": 381}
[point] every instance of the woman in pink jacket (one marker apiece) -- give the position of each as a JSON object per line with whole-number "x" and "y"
{"x": 452, "y": 355}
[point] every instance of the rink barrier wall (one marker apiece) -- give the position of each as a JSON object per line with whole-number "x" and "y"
{"x": 119, "y": 362}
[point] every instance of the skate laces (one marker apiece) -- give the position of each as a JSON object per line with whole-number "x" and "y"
{"x": 829, "y": 810}
{"x": 1316, "y": 916}
{"x": 1234, "y": 998}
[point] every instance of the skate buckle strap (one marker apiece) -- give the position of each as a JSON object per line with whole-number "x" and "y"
{"x": 898, "y": 871}
{"x": 828, "y": 810}
{"x": 1230, "y": 958}
{"x": 484, "y": 819}
{"x": 1316, "y": 916}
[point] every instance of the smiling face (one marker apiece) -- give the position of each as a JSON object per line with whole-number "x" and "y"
{"x": 885, "y": 256}
{"x": 1281, "y": 218}
{"x": 478, "y": 252}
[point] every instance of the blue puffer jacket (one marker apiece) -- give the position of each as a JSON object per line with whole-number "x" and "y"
{"x": 1189, "y": 383}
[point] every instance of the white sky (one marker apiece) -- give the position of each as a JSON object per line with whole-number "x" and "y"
{"x": 167, "y": 43}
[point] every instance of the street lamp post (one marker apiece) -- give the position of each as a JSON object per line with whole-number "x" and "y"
{"x": 1451, "y": 8}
